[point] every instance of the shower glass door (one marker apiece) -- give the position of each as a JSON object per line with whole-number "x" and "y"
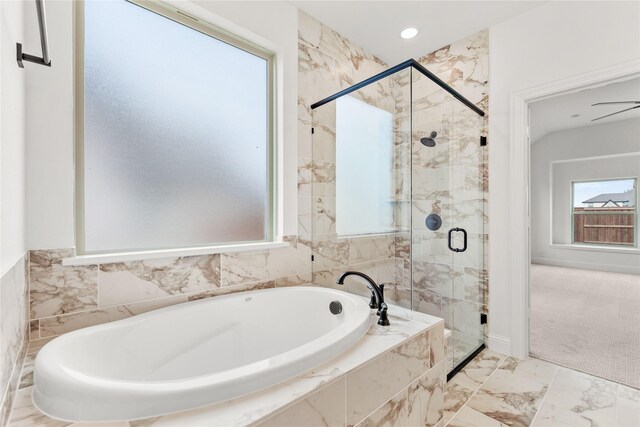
{"x": 468, "y": 238}
{"x": 448, "y": 271}
{"x": 393, "y": 186}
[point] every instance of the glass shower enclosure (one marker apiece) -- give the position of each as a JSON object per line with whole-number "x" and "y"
{"x": 398, "y": 188}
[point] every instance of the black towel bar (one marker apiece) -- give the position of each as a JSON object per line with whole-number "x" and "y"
{"x": 44, "y": 41}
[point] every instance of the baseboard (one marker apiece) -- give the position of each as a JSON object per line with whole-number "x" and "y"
{"x": 587, "y": 265}
{"x": 499, "y": 343}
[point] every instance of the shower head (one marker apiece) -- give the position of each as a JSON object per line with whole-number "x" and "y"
{"x": 430, "y": 141}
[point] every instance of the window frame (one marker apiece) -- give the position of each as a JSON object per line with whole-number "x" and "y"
{"x": 635, "y": 213}
{"x": 181, "y": 18}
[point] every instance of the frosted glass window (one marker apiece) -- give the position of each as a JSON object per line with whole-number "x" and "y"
{"x": 176, "y": 135}
{"x": 364, "y": 147}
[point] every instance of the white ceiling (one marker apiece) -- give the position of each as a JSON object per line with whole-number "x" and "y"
{"x": 376, "y": 25}
{"x": 554, "y": 114}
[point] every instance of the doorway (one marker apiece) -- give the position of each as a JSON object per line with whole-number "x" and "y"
{"x": 584, "y": 288}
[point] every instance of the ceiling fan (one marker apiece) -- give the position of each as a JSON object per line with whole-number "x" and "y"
{"x": 637, "y": 105}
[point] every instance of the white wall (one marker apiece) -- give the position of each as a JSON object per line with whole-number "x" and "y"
{"x": 553, "y": 41}
{"x": 586, "y": 142}
{"x": 50, "y": 168}
{"x": 12, "y": 135}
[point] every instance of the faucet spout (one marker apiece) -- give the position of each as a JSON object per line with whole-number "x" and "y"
{"x": 377, "y": 294}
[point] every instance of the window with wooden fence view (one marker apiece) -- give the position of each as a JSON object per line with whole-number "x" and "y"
{"x": 604, "y": 212}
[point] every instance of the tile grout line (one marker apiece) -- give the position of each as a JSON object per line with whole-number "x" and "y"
{"x": 474, "y": 393}
{"x": 555, "y": 374}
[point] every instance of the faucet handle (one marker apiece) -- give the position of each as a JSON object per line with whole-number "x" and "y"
{"x": 382, "y": 303}
{"x": 372, "y": 302}
{"x": 384, "y": 318}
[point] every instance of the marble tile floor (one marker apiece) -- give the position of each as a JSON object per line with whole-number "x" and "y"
{"x": 492, "y": 390}
{"x": 496, "y": 390}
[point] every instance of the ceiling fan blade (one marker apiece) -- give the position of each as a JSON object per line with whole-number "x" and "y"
{"x": 617, "y": 112}
{"x": 617, "y": 102}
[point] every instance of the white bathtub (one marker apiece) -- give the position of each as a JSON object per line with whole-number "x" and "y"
{"x": 194, "y": 354}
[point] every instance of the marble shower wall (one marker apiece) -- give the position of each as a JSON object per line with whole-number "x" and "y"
{"x": 65, "y": 298}
{"x": 13, "y": 333}
{"x": 450, "y": 179}
{"x": 328, "y": 63}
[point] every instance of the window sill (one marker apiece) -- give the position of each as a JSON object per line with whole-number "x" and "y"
{"x": 169, "y": 253}
{"x": 595, "y": 248}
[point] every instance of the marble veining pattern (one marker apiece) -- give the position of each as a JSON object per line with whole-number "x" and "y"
{"x": 386, "y": 375}
{"x": 326, "y": 408}
{"x": 494, "y": 390}
{"x": 450, "y": 179}
{"x": 65, "y": 298}
{"x": 57, "y": 289}
{"x": 127, "y": 282}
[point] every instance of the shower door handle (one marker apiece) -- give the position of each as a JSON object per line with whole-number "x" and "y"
{"x": 464, "y": 239}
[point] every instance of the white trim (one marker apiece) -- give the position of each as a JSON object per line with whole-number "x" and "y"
{"x": 169, "y": 253}
{"x": 602, "y": 157}
{"x": 595, "y": 248}
{"x": 519, "y": 216}
{"x": 612, "y": 268}
{"x": 499, "y": 344}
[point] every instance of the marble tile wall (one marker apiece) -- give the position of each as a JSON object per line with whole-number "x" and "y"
{"x": 13, "y": 333}
{"x": 329, "y": 63}
{"x": 65, "y": 298}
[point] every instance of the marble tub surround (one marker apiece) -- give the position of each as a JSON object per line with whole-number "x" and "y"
{"x": 496, "y": 390}
{"x": 14, "y": 333}
{"x": 65, "y": 298}
{"x": 340, "y": 392}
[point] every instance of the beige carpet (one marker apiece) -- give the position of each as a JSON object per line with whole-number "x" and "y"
{"x": 588, "y": 321}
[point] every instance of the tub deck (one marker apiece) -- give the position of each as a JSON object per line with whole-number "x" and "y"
{"x": 402, "y": 361}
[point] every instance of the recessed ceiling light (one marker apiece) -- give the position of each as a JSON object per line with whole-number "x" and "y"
{"x": 408, "y": 33}
{"x": 575, "y": 116}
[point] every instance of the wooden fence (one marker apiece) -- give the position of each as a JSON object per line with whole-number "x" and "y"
{"x": 604, "y": 226}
